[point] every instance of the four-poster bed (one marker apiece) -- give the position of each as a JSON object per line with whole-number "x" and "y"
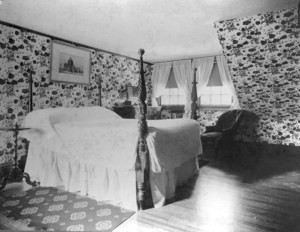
{"x": 96, "y": 152}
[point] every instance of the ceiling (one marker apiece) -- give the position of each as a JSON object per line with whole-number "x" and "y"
{"x": 166, "y": 29}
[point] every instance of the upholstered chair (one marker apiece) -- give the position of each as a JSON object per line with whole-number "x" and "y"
{"x": 223, "y": 133}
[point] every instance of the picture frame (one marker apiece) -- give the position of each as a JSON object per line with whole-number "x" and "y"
{"x": 70, "y": 64}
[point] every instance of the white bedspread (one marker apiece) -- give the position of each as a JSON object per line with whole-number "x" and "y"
{"x": 112, "y": 142}
{"x": 92, "y": 150}
{"x": 171, "y": 142}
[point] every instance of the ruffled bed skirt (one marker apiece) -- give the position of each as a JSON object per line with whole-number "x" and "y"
{"x": 117, "y": 187}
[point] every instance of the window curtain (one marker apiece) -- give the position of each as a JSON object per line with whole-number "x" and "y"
{"x": 183, "y": 75}
{"x": 204, "y": 67}
{"x": 160, "y": 75}
{"x": 227, "y": 81}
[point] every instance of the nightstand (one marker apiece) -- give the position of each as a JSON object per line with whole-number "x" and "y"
{"x": 125, "y": 111}
{"x": 12, "y": 172}
{"x": 133, "y": 111}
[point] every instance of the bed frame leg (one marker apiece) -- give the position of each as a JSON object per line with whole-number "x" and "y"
{"x": 141, "y": 196}
{"x": 142, "y": 174}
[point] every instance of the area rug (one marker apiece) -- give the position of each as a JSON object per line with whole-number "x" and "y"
{"x": 47, "y": 208}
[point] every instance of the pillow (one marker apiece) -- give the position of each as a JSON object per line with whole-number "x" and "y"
{"x": 42, "y": 121}
{"x": 82, "y": 114}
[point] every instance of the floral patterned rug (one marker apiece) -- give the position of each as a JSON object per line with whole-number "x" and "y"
{"x": 47, "y": 208}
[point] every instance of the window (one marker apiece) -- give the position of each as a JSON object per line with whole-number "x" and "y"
{"x": 172, "y": 96}
{"x": 215, "y": 94}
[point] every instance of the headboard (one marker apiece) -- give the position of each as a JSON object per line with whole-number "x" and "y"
{"x": 30, "y": 97}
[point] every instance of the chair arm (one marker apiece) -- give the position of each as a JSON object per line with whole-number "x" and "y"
{"x": 211, "y": 129}
{"x": 227, "y": 131}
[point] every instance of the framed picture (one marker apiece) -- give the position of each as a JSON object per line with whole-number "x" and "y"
{"x": 70, "y": 64}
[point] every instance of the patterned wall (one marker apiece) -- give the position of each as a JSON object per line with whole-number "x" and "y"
{"x": 208, "y": 117}
{"x": 263, "y": 55}
{"x": 20, "y": 49}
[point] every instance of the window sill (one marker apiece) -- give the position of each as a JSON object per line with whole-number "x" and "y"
{"x": 206, "y": 108}
{"x": 172, "y": 106}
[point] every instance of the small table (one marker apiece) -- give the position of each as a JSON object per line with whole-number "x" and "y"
{"x": 15, "y": 174}
{"x": 126, "y": 111}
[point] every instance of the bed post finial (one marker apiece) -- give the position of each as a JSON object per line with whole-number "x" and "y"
{"x": 142, "y": 164}
{"x": 141, "y": 52}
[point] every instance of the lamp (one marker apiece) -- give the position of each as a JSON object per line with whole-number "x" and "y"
{"x": 127, "y": 102}
{"x": 27, "y": 67}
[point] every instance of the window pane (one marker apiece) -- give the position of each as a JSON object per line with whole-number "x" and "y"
{"x": 173, "y": 100}
{"x": 216, "y": 99}
{"x": 226, "y": 99}
{"x": 225, "y": 90}
{"x": 164, "y": 100}
{"x": 181, "y": 92}
{"x": 215, "y": 89}
{"x": 165, "y": 92}
{"x": 205, "y": 100}
{"x": 173, "y": 91}
{"x": 205, "y": 90}
{"x": 173, "y": 96}
{"x": 181, "y": 100}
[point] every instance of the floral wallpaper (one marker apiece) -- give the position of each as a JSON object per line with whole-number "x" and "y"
{"x": 208, "y": 117}
{"x": 263, "y": 56}
{"x": 21, "y": 50}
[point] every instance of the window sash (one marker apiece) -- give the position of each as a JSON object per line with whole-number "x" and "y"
{"x": 215, "y": 96}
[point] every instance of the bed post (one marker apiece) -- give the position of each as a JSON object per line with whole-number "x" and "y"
{"x": 142, "y": 163}
{"x": 99, "y": 89}
{"x": 30, "y": 108}
{"x": 194, "y": 97}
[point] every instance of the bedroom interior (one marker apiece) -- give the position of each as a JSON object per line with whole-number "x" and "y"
{"x": 252, "y": 185}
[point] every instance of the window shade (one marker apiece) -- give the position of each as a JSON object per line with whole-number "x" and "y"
{"x": 215, "y": 79}
{"x": 171, "y": 81}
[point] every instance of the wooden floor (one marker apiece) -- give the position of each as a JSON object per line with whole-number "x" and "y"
{"x": 249, "y": 190}
{"x": 234, "y": 193}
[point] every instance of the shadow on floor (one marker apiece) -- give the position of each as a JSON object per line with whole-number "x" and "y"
{"x": 185, "y": 191}
{"x": 255, "y": 161}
